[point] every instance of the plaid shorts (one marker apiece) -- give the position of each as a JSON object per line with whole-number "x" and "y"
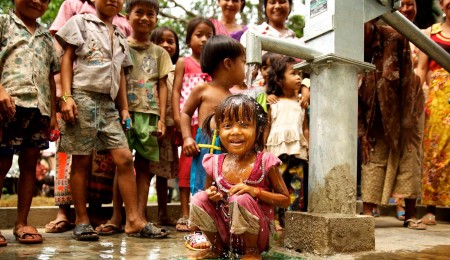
{"x": 96, "y": 126}
{"x": 27, "y": 129}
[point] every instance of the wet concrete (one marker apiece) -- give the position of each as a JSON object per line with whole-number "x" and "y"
{"x": 392, "y": 242}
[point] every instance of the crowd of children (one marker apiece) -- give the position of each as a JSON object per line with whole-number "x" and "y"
{"x": 125, "y": 93}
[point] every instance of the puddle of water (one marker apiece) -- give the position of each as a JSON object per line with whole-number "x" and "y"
{"x": 437, "y": 252}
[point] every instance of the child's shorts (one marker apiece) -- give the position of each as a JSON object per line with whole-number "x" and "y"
{"x": 97, "y": 125}
{"x": 140, "y": 135}
{"x": 27, "y": 129}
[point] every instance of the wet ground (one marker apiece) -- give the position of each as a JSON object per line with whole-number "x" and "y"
{"x": 392, "y": 242}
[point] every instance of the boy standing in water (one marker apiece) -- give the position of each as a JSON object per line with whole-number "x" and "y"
{"x": 28, "y": 62}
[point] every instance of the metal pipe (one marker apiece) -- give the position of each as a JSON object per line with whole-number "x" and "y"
{"x": 258, "y": 42}
{"x": 414, "y": 35}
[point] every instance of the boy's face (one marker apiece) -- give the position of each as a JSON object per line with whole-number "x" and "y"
{"x": 30, "y": 10}
{"x": 107, "y": 9}
{"x": 142, "y": 18}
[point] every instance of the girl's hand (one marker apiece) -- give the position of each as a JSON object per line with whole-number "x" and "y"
{"x": 190, "y": 147}
{"x": 242, "y": 188}
{"x": 7, "y": 104}
{"x": 366, "y": 149}
{"x": 69, "y": 110}
{"x": 304, "y": 102}
{"x": 214, "y": 194}
{"x": 272, "y": 99}
{"x": 161, "y": 128}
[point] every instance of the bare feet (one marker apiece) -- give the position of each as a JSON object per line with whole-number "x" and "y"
{"x": 208, "y": 254}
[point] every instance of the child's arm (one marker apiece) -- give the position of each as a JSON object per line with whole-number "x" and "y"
{"x": 190, "y": 147}
{"x": 272, "y": 99}
{"x": 306, "y": 128}
{"x": 176, "y": 91}
{"x": 7, "y": 104}
{"x": 68, "y": 107}
{"x": 162, "y": 90}
{"x": 305, "y": 97}
{"x": 268, "y": 126}
{"x": 279, "y": 197}
{"x": 121, "y": 98}
{"x": 51, "y": 79}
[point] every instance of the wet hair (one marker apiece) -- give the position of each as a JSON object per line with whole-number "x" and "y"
{"x": 193, "y": 23}
{"x": 237, "y": 108}
{"x": 218, "y": 48}
{"x": 290, "y": 7}
{"x": 150, "y": 3}
{"x": 156, "y": 35}
{"x": 276, "y": 74}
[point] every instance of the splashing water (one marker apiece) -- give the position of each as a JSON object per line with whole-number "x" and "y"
{"x": 249, "y": 68}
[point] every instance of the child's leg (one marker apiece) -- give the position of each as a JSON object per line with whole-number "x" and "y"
{"x": 78, "y": 177}
{"x": 143, "y": 178}
{"x": 27, "y": 185}
{"x": 127, "y": 186}
{"x": 251, "y": 250}
{"x": 5, "y": 165}
{"x": 161, "y": 192}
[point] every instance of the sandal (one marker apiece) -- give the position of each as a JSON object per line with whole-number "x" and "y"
{"x": 197, "y": 241}
{"x": 84, "y": 232}
{"x": 58, "y": 226}
{"x": 414, "y": 224}
{"x": 150, "y": 231}
{"x": 28, "y": 235}
{"x": 2, "y": 240}
{"x": 429, "y": 219}
{"x": 183, "y": 224}
{"x": 108, "y": 229}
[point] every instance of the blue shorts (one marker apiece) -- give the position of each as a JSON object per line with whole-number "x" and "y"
{"x": 198, "y": 173}
{"x": 27, "y": 129}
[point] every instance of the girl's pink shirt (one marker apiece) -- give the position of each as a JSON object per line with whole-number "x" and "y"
{"x": 70, "y": 8}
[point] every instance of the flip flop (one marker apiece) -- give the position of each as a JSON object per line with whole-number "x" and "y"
{"x": 58, "y": 226}
{"x": 28, "y": 235}
{"x": 150, "y": 231}
{"x": 183, "y": 224}
{"x": 2, "y": 240}
{"x": 429, "y": 219}
{"x": 84, "y": 232}
{"x": 108, "y": 229}
{"x": 414, "y": 224}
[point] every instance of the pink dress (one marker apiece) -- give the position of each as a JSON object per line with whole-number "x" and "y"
{"x": 70, "y": 8}
{"x": 193, "y": 76}
{"x": 237, "y": 214}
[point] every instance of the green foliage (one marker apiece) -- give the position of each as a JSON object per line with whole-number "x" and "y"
{"x": 297, "y": 24}
{"x": 52, "y": 11}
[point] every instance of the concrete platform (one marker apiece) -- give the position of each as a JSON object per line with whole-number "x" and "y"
{"x": 392, "y": 241}
{"x": 327, "y": 234}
